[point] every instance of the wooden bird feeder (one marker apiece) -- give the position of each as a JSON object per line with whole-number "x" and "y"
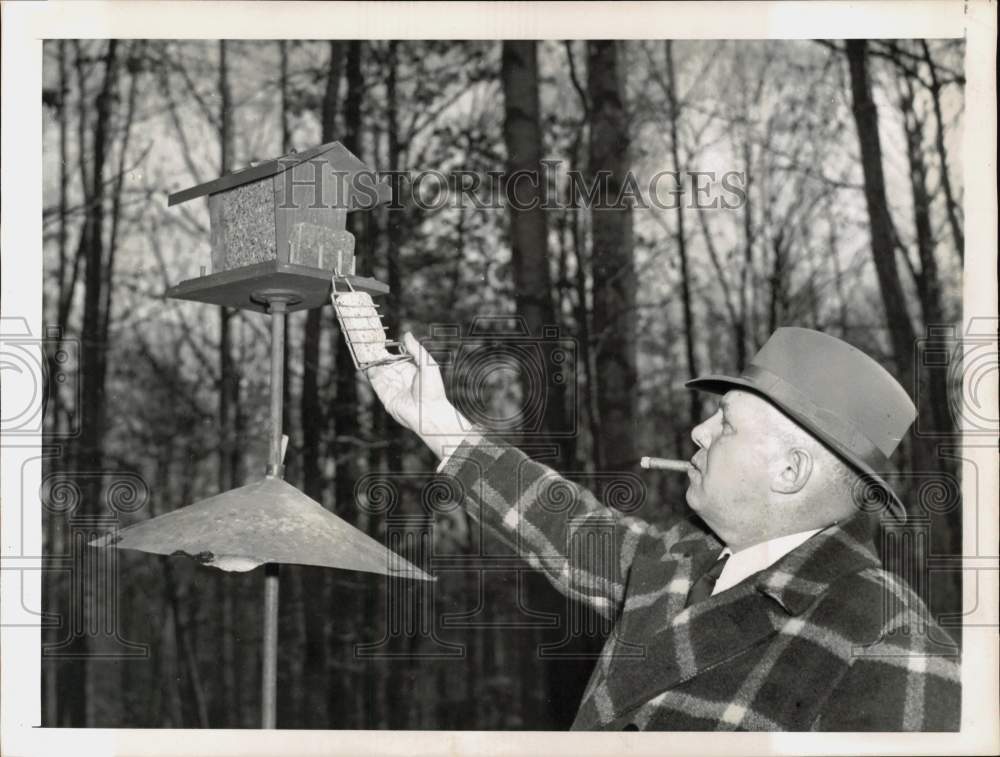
{"x": 279, "y": 244}
{"x": 280, "y": 225}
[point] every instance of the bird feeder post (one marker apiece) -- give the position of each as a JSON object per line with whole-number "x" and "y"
{"x": 269, "y": 654}
{"x": 277, "y": 306}
{"x": 277, "y": 303}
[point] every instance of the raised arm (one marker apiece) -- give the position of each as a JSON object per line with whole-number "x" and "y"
{"x": 584, "y": 548}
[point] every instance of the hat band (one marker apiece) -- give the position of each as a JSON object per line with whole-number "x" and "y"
{"x": 846, "y": 435}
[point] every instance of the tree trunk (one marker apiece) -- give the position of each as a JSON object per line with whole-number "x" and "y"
{"x": 286, "y": 134}
{"x": 777, "y": 305}
{"x": 833, "y": 250}
{"x": 228, "y": 402}
{"x": 393, "y": 307}
{"x": 934, "y": 405}
{"x": 345, "y": 411}
{"x": 317, "y": 680}
{"x": 345, "y": 405}
{"x": 584, "y": 332}
{"x": 78, "y": 683}
{"x": 681, "y": 240}
{"x": 372, "y": 688}
{"x": 743, "y": 324}
{"x": 394, "y": 697}
{"x": 900, "y": 326}
{"x": 611, "y": 259}
{"x": 957, "y": 233}
{"x": 54, "y": 585}
{"x": 94, "y": 334}
{"x": 313, "y": 416}
{"x": 523, "y": 138}
{"x": 186, "y": 650}
{"x": 292, "y": 622}
{"x": 927, "y": 279}
{"x": 582, "y": 311}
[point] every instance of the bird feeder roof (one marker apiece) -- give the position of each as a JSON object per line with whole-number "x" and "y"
{"x": 339, "y": 157}
{"x": 268, "y": 521}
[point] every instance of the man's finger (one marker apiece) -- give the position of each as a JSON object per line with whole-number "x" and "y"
{"x": 411, "y": 345}
{"x": 420, "y": 355}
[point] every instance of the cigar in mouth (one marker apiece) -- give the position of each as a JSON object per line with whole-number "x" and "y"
{"x": 662, "y": 463}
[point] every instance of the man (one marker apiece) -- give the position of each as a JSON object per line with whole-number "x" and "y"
{"x": 769, "y": 610}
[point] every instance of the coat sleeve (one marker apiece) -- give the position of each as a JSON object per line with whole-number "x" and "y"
{"x": 584, "y": 548}
{"x": 902, "y": 671}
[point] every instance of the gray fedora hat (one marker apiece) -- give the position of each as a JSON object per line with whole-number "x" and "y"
{"x": 834, "y": 391}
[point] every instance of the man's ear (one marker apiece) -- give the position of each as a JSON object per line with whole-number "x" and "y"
{"x": 795, "y": 472}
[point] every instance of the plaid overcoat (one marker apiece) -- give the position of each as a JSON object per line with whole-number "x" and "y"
{"x": 824, "y": 639}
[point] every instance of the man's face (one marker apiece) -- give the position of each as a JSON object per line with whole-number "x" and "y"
{"x": 738, "y": 453}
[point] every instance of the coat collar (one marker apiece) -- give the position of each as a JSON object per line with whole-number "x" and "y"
{"x": 800, "y": 577}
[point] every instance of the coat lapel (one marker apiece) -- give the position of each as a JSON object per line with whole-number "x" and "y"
{"x": 696, "y": 639}
{"x": 681, "y": 643}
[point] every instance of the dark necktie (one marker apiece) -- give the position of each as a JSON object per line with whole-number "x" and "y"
{"x": 702, "y": 588}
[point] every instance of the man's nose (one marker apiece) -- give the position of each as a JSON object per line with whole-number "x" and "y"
{"x": 701, "y": 435}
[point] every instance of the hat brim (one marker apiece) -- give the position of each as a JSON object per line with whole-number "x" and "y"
{"x": 720, "y": 384}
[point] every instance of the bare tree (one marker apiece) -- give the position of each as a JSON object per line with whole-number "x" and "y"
{"x": 345, "y": 405}
{"x": 77, "y": 686}
{"x": 611, "y": 258}
{"x": 229, "y": 388}
{"x": 528, "y": 225}
{"x": 395, "y": 220}
{"x": 582, "y": 311}
{"x": 64, "y": 290}
{"x": 680, "y": 237}
{"x": 311, "y": 407}
{"x": 958, "y": 235}
{"x": 934, "y": 403}
{"x": 901, "y": 333}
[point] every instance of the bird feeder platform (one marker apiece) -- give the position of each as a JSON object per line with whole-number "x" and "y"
{"x": 248, "y": 287}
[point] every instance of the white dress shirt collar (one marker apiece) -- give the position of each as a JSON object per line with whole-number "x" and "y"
{"x": 748, "y": 561}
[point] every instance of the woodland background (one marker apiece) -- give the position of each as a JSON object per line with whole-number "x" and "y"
{"x": 852, "y": 224}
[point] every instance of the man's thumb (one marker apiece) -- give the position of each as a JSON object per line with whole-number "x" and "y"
{"x": 421, "y": 356}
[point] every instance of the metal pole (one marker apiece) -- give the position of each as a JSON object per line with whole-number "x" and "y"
{"x": 269, "y": 666}
{"x": 275, "y": 468}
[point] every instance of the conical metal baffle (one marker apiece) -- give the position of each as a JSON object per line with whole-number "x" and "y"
{"x": 268, "y": 521}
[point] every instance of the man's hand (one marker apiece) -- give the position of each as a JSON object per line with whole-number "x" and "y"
{"x": 413, "y": 394}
